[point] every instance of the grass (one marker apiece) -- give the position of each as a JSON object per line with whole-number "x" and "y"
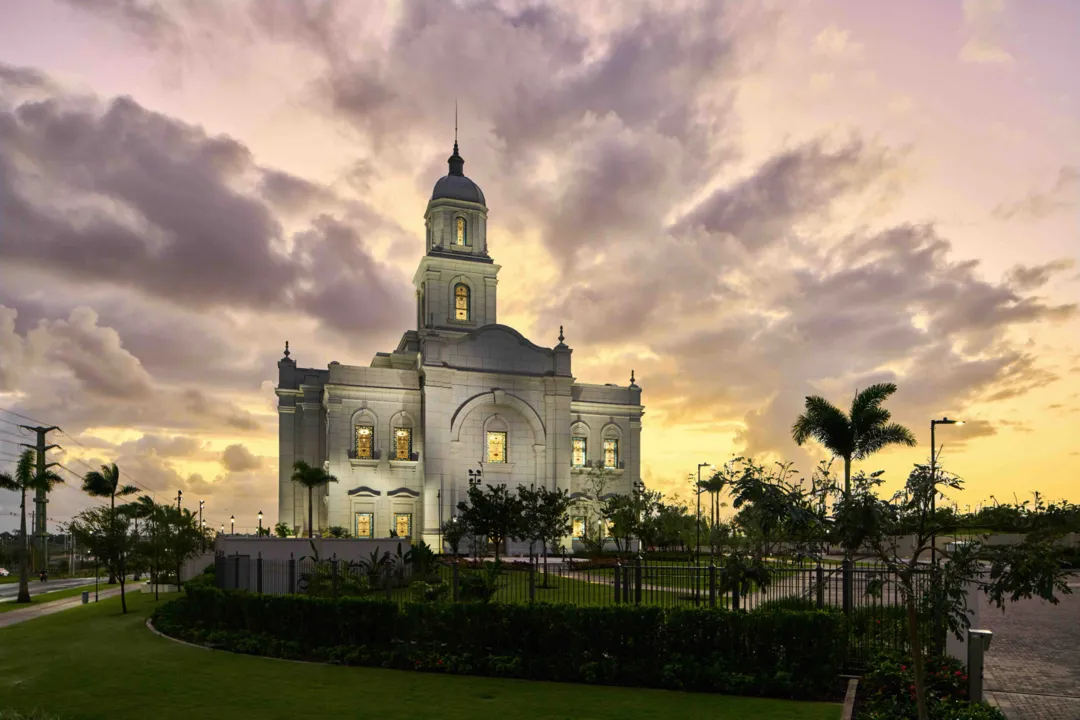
{"x": 44, "y": 598}
{"x": 101, "y": 664}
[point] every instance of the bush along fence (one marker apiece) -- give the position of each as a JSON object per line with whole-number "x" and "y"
{"x": 776, "y": 653}
{"x": 875, "y": 623}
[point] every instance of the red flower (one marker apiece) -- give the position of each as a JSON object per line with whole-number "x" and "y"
{"x": 911, "y": 687}
{"x": 903, "y": 667}
{"x": 959, "y": 673}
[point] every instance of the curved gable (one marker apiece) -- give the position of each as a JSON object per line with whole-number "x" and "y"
{"x": 494, "y": 348}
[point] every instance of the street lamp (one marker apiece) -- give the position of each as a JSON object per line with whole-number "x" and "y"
{"x": 697, "y": 549}
{"x": 475, "y": 476}
{"x": 232, "y": 525}
{"x": 203, "y": 524}
{"x": 260, "y": 523}
{"x": 933, "y": 479}
{"x": 222, "y": 530}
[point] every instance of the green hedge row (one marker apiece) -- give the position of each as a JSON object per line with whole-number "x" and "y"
{"x": 777, "y": 654}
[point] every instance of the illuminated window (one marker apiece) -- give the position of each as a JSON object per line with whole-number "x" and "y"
{"x": 365, "y": 525}
{"x": 496, "y": 447}
{"x": 611, "y": 453}
{"x": 402, "y": 443}
{"x": 606, "y": 527}
{"x": 461, "y": 302}
{"x": 578, "y": 525}
{"x": 403, "y": 524}
{"x": 462, "y": 237}
{"x": 579, "y": 456}
{"x": 365, "y": 441}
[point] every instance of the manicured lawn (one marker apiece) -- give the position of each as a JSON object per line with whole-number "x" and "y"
{"x": 47, "y": 597}
{"x": 93, "y": 662}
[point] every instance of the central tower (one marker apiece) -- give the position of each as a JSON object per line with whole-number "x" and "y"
{"x": 456, "y": 280}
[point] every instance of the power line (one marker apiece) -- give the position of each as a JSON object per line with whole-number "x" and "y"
{"x": 133, "y": 480}
{"x": 20, "y": 439}
{"x": 24, "y": 417}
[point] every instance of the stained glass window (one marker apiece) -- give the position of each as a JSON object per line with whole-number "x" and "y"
{"x": 365, "y": 441}
{"x": 579, "y": 456}
{"x": 611, "y": 453}
{"x": 578, "y": 525}
{"x": 461, "y": 302}
{"x": 496, "y": 447}
{"x": 606, "y": 526}
{"x": 402, "y": 443}
{"x": 365, "y": 525}
{"x": 462, "y": 235}
{"x": 403, "y": 524}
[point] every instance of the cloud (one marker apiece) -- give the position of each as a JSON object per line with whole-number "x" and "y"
{"x": 982, "y": 23}
{"x": 836, "y": 42}
{"x": 1032, "y": 277}
{"x": 1037, "y": 205}
{"x": 237, "y": 458}
{"x": 146, "y": 19}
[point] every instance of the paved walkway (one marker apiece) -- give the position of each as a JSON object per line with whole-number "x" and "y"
{"x": 14, "y": 617}
{"x": 1033, "y": 665}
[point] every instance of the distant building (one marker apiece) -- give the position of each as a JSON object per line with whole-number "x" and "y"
{"x": 460, "y": 392}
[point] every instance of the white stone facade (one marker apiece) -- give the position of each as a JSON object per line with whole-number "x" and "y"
{"x": 453, "y": 380}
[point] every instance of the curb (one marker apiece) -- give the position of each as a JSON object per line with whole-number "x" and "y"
{"x": 151, "y": 628}
{"x": 849, "y": 699}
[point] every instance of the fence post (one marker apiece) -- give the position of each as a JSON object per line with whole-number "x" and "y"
{"x": 618, "y": 582}
{"x": 532, "y": 582}
{"x": 292, "y": 574}
{"x": 219, "y": 573}
{"x": 258, "y": 573}
{"x": 333, "y": 576}
{"x": 735, "y": 596}
{"x": 236, "y": 572}
{"x": 387, "y": 572}
{"x": 637, "y": 579}
{"x": 846, "y": 582}
{"x": 820, "y": 586}
{"x": 712, "y": 585}
{"x": 456, "y": 576}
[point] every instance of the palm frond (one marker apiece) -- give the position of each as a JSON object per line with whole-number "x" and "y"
{"x": 825, "y": 423}
{"x": 868, "y": 399}
{"x": 96, "y": 484}
{"x": 126, "y": 490}
{"x": 7, "y": 482}
{"x": 883, "y": 436}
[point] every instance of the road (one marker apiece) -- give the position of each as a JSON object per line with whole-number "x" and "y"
{"x": 9, "y": 591}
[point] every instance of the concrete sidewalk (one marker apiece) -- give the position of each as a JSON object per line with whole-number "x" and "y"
{"x": 14, "y": 617}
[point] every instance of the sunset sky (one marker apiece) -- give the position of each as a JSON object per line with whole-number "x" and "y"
{"x": 745, "y": 203}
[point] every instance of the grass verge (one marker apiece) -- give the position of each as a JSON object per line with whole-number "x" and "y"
{"x": 111, "y": 666}
{"x": 46, "y": 597}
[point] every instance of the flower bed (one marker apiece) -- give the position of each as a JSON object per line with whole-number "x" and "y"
{"x": 887, "y": 692}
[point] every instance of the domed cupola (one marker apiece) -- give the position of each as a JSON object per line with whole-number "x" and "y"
{"x": 454, "y": 185}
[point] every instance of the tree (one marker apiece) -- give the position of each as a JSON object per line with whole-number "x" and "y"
{"x": 181, "y": 537}
{"x": 626, "y": 515}
{"x": 453, "y": 532}
{"x": 311, "y": 478}
{"x": 106, "y": 483}
{"x": 855, "y": 436}
{"x": 148, "y": 547}
{"x": 26, "y": 479}
{"x": 544, "y": 518}
{"x": 493, "y": 513}
{"x": 1002, "y": 573}
{"x": 282, "y": 530}
{"x": 106, "y": 535}
{"x": 590, "y": 504}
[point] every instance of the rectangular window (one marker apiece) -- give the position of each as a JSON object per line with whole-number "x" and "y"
{"x": 611, "y": 453}
{"x": 606, "y": 525}
{"x": 403, "y": 524}
{"x": 579, "y": 455}
{"x": 365, "y": 525}
{"x": 365, "y": 441}
{"x": 496, "y": 447}
{"x": 402, "y": 443}
{"x": 578, "y": 525}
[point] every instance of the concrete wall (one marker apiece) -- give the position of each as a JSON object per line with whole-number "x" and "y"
{"x": 348, "y": 549}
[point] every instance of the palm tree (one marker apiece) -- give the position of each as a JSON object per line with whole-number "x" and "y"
{"x": 855, "y": 436}
{"x": 146, "y": 509}
{"x": 311, "y": 478}
{"x": 27, "y": 478}
{"x": 106, "y": 483}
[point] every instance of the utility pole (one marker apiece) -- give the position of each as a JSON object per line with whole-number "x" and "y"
{"x": 40, "y": 496}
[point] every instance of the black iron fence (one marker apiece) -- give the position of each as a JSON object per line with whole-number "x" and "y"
{"x": 876, "y": 620}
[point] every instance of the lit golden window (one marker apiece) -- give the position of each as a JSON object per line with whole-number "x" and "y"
{"x": 402, "y": 443}
{"x": 365, "y": 525}
{"x": 403, "y": 524}
{"x": 578, "y": 527}
{"x": 461, "y": 302}
{"x": 462, "y": 235}
{"x": 611, "y": 453}
{"x": 496, "y": 447}
{"x": 579, "y": 455}
{"x": 365, "y": 441}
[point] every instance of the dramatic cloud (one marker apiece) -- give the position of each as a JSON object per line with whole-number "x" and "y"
{"x": 1035, "y": 205}
{"x": 237, "y": 458}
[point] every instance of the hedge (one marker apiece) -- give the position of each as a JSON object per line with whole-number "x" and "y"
{"x": 781, "y": 653}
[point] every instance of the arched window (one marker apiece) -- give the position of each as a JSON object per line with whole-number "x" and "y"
{"x": 462, "y": 304}
{"x": 462, "y": 237}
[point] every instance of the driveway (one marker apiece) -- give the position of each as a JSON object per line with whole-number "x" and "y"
{"x": 1033, "y": 665}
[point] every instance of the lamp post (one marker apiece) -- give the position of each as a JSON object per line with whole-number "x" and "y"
{"x": 933, "y": 479}
{"x": 179, "y": 495}
{"x": 222, "y": 530}
{"x": 202, "y": 524}
{"x": 697, "y": 548}
{"x": 232, "y": 525}
{"x": 260, "y": 523}
{"x": 475, "y": 476}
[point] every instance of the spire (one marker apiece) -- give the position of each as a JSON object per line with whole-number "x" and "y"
{"x": 561, "y": 338}
{"x": 632, "y": 383}
{"x": 287, "y": 349}
{"x": 457, "y": 163}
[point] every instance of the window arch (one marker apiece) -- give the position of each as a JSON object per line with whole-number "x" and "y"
{"x": 401, "y": 433}
{"x": 363, "y": 442}
{"x": 579, "y": 445}
{"x": 496, "y": 440}
{"x": 462, "y": 302}
{"x": 611, "y": 436}
{"x": 461, "y": 231}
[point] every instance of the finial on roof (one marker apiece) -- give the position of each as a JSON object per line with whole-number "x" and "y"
{"x": 561, "y": 338}
{"x": 286, "y": 348}
{"x": 456, "y": 162}
{"x": 632, "y": 383}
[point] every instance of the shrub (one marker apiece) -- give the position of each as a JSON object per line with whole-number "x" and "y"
{"x": 888, "y": 690}
{"x": 774, "y": 653}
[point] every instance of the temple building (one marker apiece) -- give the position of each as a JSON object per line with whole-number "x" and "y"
{"x": 460, "y": 394}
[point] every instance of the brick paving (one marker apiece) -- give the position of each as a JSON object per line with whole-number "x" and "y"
{"x": 1033, "y": 665}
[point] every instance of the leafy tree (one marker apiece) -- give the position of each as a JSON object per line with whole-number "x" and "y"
{"x": 853, "y": 436}
{"x": 544, "y": 518}
{"x": 589, "y": 505}
{"x": 26, "y": 479}
{"x": 106, "y": 534}
{"x": 494, "y": 513}
{"x": 453, "y": 532}
{"x": 1002, "y": 573}
{"x": 106, "y": 484}
{"x": 311, "y": 477}
{"x": 627, "y": 515}
{"x": 282, "y": 530}
{"x": 334, "y": 531}
{"x": 181, "y": 537}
